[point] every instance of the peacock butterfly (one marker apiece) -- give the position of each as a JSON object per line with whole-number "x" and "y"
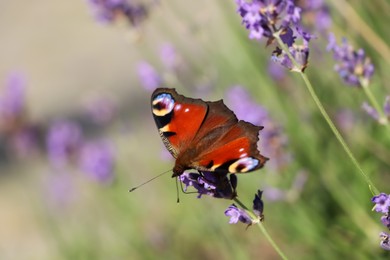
{"x": 205, "y": 135}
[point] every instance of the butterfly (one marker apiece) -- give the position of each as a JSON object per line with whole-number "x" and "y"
{"x": 205, "y": 135}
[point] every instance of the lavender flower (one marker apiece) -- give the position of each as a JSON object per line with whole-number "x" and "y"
{"x": 97, "y": 160}
{"x": 386, "y": 107}
{"x": 275, "y": 70}
{"x": 12, "y": 103}
{"x": 382, "y": 202}
{"x": 385, "y": 240}
{"x": 354, "y": 67}
{"x": 372, "y": 112}
{"x": 273, "y": 140}
{"x": 260, "y": 17}
{"x": 258, "y": 204}
{"x": 346, "y": 120}
{"x": 300, "y": 53}
{"x": 148, "y": 76}
{"x": 211, "y": 184}
{"x": 63, "y": 141}
{"x": 106, "y": 11}
{"x": 266, "y": 18}
{"x": 169, "y": 56}
{"x": 317, "y": 12}
{"x": 24, "y": 143}
{"x": 101, "y": 110}
{"x": 60, "y": 189}
{"x": 385, "y": 219}
{"x": 244, "y": 107}
{"x": 237, "y": 214}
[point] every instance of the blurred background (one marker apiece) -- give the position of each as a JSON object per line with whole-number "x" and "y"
{"x": 76, "y": 132}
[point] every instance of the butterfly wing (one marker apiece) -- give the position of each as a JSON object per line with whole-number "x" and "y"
{"x": 178, "y": 118}
{"x": 224, "y": 144}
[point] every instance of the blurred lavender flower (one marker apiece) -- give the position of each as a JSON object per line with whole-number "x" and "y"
{"x": 97, "y": 160}
{"x": 385, "y": 240}
{"x": 372, "y": 112}
{"x": 148, "y": 76}
{"x": 353, "y": 66}
{"x": 24, "y": 142}
{"x": 382, "y": 202}
{"x": 237, "y": 214}
{"x": 60, "y": 189}
{"x": 12, "y": 103}
{"x": 346, "y": 120}
{"x": 244, "y": 107}
{"x": 276, "y": 194}
{"x": 211, "y": 184}
{"x": 169, "y": 56}
{"x": 386, "y": 106}
{"x": 101, "y": 110}
{"x": 275, "y": 70}
{"x": 272, "y": 139}
{"x": 63, "y": 141}
{"x": 317, "y": 13}
{"x": 106, "y": 11}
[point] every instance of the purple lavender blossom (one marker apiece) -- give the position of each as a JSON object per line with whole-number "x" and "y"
{"x": 386, "y": 107}
{"x": 385, "y": 240}
{"x": 101, "y": 110}
{"x": 300, "y": 53}
{"x": 244, "y": 107}
{"x": 317, "y": 12}
{"x": 97, "y": 161}
{"x": 211, "y": 184}
{"x": 275, "y": 70}
{"x": 382, "y": 203}
{"x": 272, "y": 139}
{"x": 106, "y": 11}
{"x": 168, "y": 56}
{"x": 63, "y": 141}
{"x": 385, "y": 219}
{"x": 353, "y": 66}
{"x": 60, "y": 189}
{"x": 237, "y": 214}
{"x": 370, "y": 111}
{"x": 258, "y": 204}
{"x": 148, "y": 76}
{"x": 24, "y": 143}
{"x": 346, "y": 120}
{"x": 275, "y": 194}
{"x": 12, "y": 102}
{"x": 261, "y": 17}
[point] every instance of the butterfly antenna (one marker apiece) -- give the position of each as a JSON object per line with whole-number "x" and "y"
{"x": 177, "y": 190}
{"x": 142, "y": 184}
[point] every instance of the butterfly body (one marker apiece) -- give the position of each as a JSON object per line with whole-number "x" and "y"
{"x": 205, "y": 135}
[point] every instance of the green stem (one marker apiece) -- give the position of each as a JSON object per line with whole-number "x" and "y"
{"x": 317, "y": 101}
{"x": 265, "y": 233}
{"x": 262, "y": 228}
{"x": 382, "y": 118}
